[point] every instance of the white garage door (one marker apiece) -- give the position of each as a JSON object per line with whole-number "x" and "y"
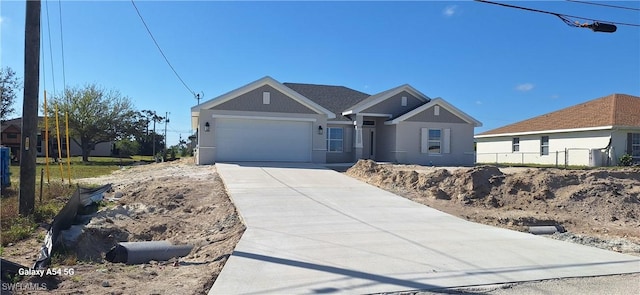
{"x": 262, "y": 140}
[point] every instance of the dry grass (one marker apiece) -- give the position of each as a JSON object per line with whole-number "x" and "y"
{"x": 54, "y": 195}
{"x": 15, "y": 228}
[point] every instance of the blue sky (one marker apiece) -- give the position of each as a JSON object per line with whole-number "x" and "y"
{"x": 500, "y": 65}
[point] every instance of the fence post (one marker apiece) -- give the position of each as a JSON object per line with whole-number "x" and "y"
{"x": 496, "y": 158}
{"x": 556, "y": 159}
{"x": 566, "y": 157}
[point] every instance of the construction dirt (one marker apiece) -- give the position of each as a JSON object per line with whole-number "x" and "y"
{"x": 598, "y": 207}
{"x": 187, "y": 204}
{"x": 176, "y": 201}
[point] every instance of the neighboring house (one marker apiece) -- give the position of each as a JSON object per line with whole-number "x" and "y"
{"x": 12, "y": 135}
{"x": 594, "y": 133}
{"x": 269, "y": 121}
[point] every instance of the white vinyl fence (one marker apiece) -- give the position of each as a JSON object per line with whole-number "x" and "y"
{"x": 566, "y": 157}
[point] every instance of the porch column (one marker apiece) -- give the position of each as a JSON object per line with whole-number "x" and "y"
{"x": 357, "y": 145}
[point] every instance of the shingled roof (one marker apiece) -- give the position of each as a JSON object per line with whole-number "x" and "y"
{"x": 612, "y": 110}
{"x": 334, "y": 98}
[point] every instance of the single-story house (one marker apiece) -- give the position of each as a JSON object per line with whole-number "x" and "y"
{"x": 266, "y": 120}
{"x": 12, "y": 135}
{"x": 594, "y": 133}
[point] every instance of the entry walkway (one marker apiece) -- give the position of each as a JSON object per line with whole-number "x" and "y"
{"x": 311, "y": 230}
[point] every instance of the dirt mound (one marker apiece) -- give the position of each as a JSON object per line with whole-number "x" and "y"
{"x": 599, "y": 203}
{"x": 175, "y": 201}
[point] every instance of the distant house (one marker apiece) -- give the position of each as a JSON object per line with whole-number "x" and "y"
{"x": 266, "y": 120}
{"x": 12, "y": 135}
{"x": 594, "y": 133}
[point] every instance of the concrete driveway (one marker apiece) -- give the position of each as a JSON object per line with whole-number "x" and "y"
{"x": 311, "y": 230}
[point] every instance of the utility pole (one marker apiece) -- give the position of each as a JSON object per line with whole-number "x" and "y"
{"x": 154, "y": 140}
{"x": 30, "y": 103}
{"x": 198, "y": 96}
{"x": 166, "y": 120}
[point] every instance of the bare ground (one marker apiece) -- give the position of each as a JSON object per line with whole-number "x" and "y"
{"x": 599, "y": 208}
{"x": 175, "y": 201}
{"x": 184, "y": 203}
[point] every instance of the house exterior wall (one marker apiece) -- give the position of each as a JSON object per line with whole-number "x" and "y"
{"x": 252, "y": 102}
{"x": 387, "y": 151}
{"x": 100, "y": 150}
{"x": 347, "y": 155}
{"x": 393, "y": 106}
{"x": 409, "y": 142}
{"x": 429, "y": 115}
{"x": 619, "y": 142}
{"x": 11, "y": 136}
{"x": 206, "y": 151}
{"x": 570, "y": 148}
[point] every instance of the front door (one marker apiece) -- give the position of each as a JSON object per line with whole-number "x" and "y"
{"x": 369, "y": 143}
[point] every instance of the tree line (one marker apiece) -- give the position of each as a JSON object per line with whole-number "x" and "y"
{"x": 96, "y": 115}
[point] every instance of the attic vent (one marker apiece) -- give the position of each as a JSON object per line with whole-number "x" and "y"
{"x": 404, "y": 101}
{"x": 436, "y": 111}
{"x": 266, "y": 97}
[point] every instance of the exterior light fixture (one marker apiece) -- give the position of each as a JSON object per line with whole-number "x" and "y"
{"x": 320, "y": 130}
{"x": 206, "y": 127}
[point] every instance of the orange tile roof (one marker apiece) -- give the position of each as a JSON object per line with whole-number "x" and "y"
{"x": 612, "y": 110}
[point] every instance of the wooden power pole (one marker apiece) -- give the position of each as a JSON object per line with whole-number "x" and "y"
{"x": 29, "y": 138}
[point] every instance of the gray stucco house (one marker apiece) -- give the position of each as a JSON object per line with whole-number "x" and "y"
{"x": 266, "y": 120}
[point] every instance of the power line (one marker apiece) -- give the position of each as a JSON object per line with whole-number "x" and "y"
{"x": 42, "y": 58}
{"x": 605, "y": 5}
{"x": 560, "y": 15}
{"x": 160, "y": 49}
{"x": 64, "y": 78}
{"x": 53, "y": 76}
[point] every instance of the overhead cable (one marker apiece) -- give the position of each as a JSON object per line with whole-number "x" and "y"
{"x": 605, "y": 5}
{"x": 560, "y": 15}
{"x": 64, "y": 78}
{"x": 160, "y": 49}
{"x": 53, "y": 76}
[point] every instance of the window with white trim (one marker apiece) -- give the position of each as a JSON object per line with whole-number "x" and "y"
{"x": 436, "y": 110}
{"x": 403, "y": 102}
{"x": 635, "y": 145}
{"x": 335, "y": 139}
{"x": 515, "y": 144}
{"x": 544, "y": 146}
{"x": 434, "y": 143}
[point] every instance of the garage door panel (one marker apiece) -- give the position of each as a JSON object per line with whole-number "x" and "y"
{"x": 262, "y": 140}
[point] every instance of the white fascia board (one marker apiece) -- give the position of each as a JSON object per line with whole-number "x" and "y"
{"x": 441, "y": 102}
{"x": 545, "y": 132}
{"x": 350, "y": 112}
{"x": 263, "y": 118}
{"x": 232, "y": 94}
{"x": 259, "y": 83}
{"x": 376, "y": 115}
{"x": 382, "y": 96}
{"x": 303, "y": 100}
{"x": 339, "y": 122}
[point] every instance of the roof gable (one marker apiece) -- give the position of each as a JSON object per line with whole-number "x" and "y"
{"x": 252, "y": 101}
{"x": 255, "y": 85}
{"x": 382, "y": 96}
{"x": 443, "y": 104}
{"x": 612, "y": 110}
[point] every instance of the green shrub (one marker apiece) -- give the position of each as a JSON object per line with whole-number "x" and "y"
{"x": 626, "y": 160}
